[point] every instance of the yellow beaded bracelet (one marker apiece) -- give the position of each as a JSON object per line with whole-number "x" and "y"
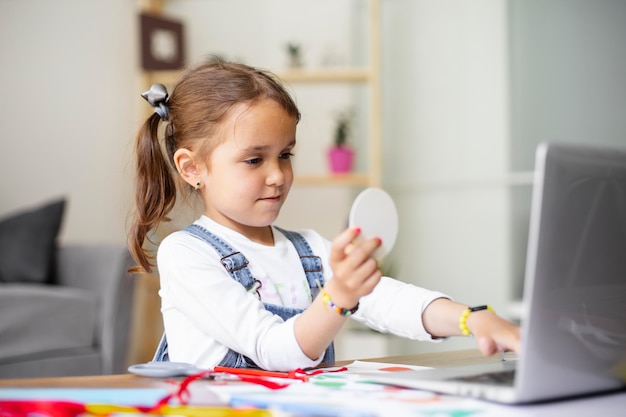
{"x": 465, "y": 315}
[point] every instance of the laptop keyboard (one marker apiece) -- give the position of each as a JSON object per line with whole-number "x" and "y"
{"x": 492, "y": 378}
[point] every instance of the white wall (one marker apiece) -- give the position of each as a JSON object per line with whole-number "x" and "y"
{"x": 569, "y": 64}
{"x": 67, "y": 110}
{"x": 445, "y": 89}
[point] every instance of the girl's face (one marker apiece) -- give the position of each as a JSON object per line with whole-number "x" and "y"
{"x": 249, "y": 175}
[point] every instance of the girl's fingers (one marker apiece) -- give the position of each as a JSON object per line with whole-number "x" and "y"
{"x": 487, "y": 346}
{"x": 358, "y": 262}
{"x": 344, "y": 246}
{"x": 504, "y": 337}
{"x": 355, "y": 270}
{"x": 362, "y": 251}
{"x": 367, "y": 269}
{"x": 362, "y": 279}
{"x": 342, "y": 242}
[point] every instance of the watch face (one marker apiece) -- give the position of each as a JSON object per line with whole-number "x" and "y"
{"x": 161, "y": 43}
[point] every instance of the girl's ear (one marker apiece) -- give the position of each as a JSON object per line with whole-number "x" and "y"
{"x": 186, "y": 166}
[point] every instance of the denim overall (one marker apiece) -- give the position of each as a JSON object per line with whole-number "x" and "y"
{"x": 237, "y": 266}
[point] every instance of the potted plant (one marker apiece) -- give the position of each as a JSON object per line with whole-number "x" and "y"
{"x": 341, "y": 155}
{"x": 294, "y": 53}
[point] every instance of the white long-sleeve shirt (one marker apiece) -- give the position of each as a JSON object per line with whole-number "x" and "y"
{"x": 206, "y": 312}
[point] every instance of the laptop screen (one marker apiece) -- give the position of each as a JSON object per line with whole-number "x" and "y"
{"x": 576, "y": 270}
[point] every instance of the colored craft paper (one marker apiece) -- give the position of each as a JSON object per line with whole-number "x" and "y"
{"x": 119, "y": 396}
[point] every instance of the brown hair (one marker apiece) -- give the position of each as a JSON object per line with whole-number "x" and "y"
{"x": 200, "y": 101}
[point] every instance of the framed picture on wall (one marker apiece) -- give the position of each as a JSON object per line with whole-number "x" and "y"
{"x": 162, "y": 43}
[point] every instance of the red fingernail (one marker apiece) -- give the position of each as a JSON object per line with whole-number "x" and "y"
{"x": 380, "y": 241}
{"x": 357, "y": 229}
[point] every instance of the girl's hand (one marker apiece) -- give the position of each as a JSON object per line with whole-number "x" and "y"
{"x": 493, "y": 333}
{"x": 355, "y": 274}
{"x": 355, "y": 271}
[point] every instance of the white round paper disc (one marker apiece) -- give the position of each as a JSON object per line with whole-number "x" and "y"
{"x": 375, "y": 213}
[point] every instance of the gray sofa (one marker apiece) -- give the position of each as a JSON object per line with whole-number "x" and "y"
{"x": 77, "y": 326}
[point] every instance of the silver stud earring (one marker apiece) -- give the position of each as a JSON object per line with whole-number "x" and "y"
{"x": 197, "y": 185}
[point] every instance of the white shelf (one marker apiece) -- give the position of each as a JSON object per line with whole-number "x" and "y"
{"x": 322, "y": 75}
{"x": 353, "y": 179}
{"x": 325, "y": 75}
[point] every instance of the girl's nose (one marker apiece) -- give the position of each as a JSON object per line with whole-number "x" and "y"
{"x": 276, "y": 175}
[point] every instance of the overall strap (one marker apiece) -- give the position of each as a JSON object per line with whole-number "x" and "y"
{"x": 311, "y": 264}
{"x": 235, "y": 262}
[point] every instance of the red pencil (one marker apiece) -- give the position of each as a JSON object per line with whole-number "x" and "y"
{"x": 260, "y": 372}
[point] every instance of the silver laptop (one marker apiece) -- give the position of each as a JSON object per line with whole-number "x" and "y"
{"x": 574, "y": 320}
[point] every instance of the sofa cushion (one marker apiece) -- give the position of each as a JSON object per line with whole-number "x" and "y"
{"x": 28, "y": 244}
{"x": 42, "y": 318}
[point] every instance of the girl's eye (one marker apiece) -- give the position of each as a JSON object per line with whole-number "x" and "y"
{"x": 286, "y": 155}
{"x": 253, "y": 161}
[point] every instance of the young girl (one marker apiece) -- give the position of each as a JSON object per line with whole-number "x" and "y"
{"x": 236, "y": 290}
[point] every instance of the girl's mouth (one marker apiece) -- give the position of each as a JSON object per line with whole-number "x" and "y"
{"x": 272, "y": 199}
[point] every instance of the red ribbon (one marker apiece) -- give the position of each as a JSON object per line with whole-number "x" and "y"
{"x": 20, "y": 408}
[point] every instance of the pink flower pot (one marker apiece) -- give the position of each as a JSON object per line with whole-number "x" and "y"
{"x": 340, "y": 159}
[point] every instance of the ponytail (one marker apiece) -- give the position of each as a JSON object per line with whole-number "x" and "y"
{"x": 155, "y": 192}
